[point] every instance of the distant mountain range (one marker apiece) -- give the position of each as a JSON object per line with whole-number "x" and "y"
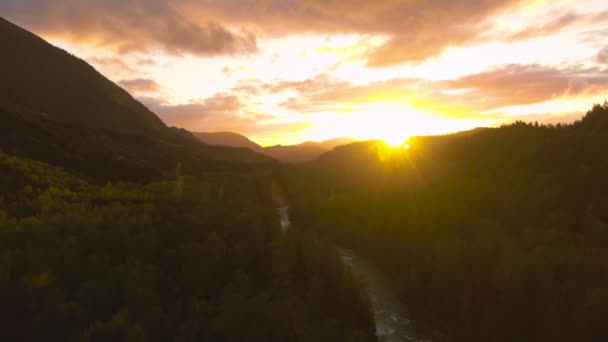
{"x": 304, "y": 152}
{"x": 56, "y": 108}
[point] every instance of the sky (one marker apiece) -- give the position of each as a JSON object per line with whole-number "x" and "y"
{"x": 284, "y": 72}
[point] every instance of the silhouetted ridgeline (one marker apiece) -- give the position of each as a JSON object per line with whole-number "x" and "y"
{"x": 56, "y": 108}
{"x": 292, "y": 154}
{"x": 499, "y": 235}
{"x": 229, "y": 139}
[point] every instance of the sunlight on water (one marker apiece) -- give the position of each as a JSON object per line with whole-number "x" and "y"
{"x": 392, "y": 324}
{"x": 284, "y": 217}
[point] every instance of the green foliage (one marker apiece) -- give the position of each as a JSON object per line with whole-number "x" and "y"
{"x": 496, "y": 235}
{"x": 125, "y": 262}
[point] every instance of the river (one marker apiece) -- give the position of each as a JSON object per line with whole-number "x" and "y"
{"x": 391, "y": 318}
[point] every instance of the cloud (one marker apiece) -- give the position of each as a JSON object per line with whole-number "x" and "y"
{"x": 340, "y": 96}
{"x": 218, "y": 105}
{"x": 219, "y": 113}
{"x": 525, "y": 84}
{"x": 317, "y": 84}
{"x": 253, "y": 89}
{"x": 559, "y": 22}
{"x": 127, "y": 26}
{"x": 298, "y": 93}
{"x": 139, "y": 85}
{"x": 146, "y": 61}
{"x": 203, "y": 115}
{"x": 110, "y": 61}
{"x": 415, "y": 30}
{"x": 470, "y": 95}
{"x": 595, "y": 36}
{"x": 602, "y": 56}
{"x": 544, "y": 29}
{"x": 227, "y": 71}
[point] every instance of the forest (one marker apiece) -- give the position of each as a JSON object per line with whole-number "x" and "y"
{"x": 492, "y": 235}
{"x": 191, "y": 259}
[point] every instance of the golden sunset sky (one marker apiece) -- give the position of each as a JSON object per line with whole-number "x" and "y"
{"x": 295, "y": 70}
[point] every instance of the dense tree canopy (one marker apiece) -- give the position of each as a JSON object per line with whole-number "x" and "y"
{"x": 197, "y": 259}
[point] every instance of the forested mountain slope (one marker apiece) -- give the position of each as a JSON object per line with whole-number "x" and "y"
{"x": 56, "y": 108}
{"x": 229, "y": 139}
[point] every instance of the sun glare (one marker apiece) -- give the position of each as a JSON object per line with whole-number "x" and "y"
{"x": 396, "y": 141}
{"x": 393, "y": 122}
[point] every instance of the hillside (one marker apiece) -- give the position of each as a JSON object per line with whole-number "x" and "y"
{"x": 329, "y": 144}
{"x": 229, "y": 139}
{"x": 294, "y": 154}
{"x": 56, "y": 108}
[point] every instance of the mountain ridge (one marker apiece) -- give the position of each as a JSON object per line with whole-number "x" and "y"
{"x": 229, "y": 139}
{"x": 56, "y": 108}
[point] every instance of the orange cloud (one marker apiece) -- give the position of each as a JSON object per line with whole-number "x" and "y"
{"x": 602, "y": 56}
{"x": 470, "y": 95}
{"x": 416, "y": 30}
{"x": 139, "y": 85}
{"x": 221, "y": 112}
{"x": 526, "y": 84}
{"x": 560, "y": 22}
{"x": 110, "y": 61}
{"x": 547, "y": 28}
{"x": 129, "y": 26}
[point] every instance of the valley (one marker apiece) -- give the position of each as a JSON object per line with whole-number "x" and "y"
{"x": 132, "y": 209}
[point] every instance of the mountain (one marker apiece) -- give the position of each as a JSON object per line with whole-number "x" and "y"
{"x": 353, "y": 154}
{"x": 294, "y": 154}
{"x": 333, "y": 143}
{"x": 229, "y": 139}
{"x": 56, "y": 108}
{"x": 304, "y": 152}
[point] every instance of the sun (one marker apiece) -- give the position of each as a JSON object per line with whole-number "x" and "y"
{"x": 392, "y": 122}
{"x": 395, "y": 140}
